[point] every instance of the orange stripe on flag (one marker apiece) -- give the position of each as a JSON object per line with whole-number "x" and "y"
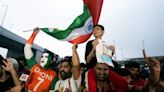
{"x": 80, "y": 39}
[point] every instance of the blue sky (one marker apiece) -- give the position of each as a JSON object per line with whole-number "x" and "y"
{"x": 127, "y": 22}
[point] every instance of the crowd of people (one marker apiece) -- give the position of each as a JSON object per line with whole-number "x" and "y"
{"x": 69, "y": 75}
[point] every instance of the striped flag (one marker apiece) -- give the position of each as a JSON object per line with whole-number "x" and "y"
{"x": 81, "y": 28}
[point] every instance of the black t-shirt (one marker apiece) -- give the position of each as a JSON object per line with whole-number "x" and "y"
{"x": 8, "y": 84}
{"x": 87, "y": 51}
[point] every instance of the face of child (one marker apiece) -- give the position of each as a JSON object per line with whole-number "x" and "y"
{"x": 97, "y": 31}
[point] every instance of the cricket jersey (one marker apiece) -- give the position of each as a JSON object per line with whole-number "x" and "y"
{"x": 40, "y": 79}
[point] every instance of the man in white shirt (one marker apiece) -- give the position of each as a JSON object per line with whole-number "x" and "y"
{"x": 69, "y": 72}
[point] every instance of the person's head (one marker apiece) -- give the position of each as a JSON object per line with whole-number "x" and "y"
{"x": 125, "y": 74}
{"x": 46, "y": 58}
{"x": 134, "y": 69}
{"x": 21, "y": 61}
{"x": 98, "y": 31}
{"x": 15, "y": 66}
{"x": 65, "y": 69}
{"x": 144, "y": 74}
{"x": 101, "y": 71}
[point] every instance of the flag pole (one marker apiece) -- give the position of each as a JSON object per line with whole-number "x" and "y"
{"x": 4, "y": 15}
{"x": 27, "y": 30}
{"x": 143, "y": 44}
{"x": 144, "y": 52}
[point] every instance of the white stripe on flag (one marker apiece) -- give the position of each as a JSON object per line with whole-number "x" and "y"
{"x": 86, "y": 29}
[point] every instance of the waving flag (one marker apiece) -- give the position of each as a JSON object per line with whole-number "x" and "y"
{"x": 81, "y": 28}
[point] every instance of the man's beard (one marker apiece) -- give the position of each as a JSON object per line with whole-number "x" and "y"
{"x": 135, "y": 76}
{"x": 64, "y": 75}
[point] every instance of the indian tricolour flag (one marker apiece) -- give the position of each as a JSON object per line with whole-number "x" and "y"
{"x": 81, "y": 28}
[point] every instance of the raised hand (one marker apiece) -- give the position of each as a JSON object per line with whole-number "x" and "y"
{"x": 94, "y": 43}
{"x": 36, "y": 30}
{"x": 154, "y": 65}
{"x": 32, "y": 37}
{"x": 74, "y": 47}
{"x": 8, "y": 65}
{"x": 145, "y": 55}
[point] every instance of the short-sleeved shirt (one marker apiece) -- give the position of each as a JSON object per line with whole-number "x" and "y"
{"x": 40, "y": 79}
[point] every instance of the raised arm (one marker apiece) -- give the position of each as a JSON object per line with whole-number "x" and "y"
{"x": 154, "y": 77}
{"x": 154, "y": 66}
{"x": 76, "y": 62}
{"x": 145, "y": 56}
{"x": 28, "y": 48}
{"x": 10, "y": 68}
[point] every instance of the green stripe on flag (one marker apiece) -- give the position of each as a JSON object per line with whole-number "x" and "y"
{"x": 77, "y": 23}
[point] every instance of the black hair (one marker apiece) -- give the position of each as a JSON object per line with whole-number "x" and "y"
{"x": 67, "y": 59}
{"x": 1, "y": 60}
{"x": 132, "y": 64}
{"x": 122, "y": 72}
{"x": 98, "y": 25}
{"x": 50, "y": 53}
{"x": 82, "y": 65}
{"x": 21, "y": 58}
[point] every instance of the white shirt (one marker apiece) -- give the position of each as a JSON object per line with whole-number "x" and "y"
{"x": 70, "y": 82}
